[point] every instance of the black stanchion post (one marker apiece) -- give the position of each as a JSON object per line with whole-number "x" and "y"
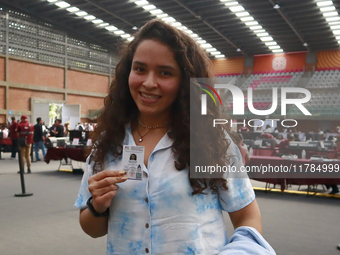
{"x": 21, "y": 167}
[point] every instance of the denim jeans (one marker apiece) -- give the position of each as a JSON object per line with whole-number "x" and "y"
{"x": 37, "y": 146}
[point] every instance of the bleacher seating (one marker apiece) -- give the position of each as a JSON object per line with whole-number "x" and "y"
{"x": 321, "y": 103}
{"x": 269, "y": 80}
{"x": 325, "y": 79}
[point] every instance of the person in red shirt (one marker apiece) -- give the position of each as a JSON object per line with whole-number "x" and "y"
{"x": 14, "y": 137}
{"x": 25, "y": 129}
{"x": 283, "y": 146}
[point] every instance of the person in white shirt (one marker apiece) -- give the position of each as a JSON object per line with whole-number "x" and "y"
{"x": 167, "y": 212}
{"x": 268, "y": 129}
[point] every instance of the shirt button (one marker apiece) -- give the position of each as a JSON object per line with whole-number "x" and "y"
{"x": 146, "y": 250}
{"x": 146, "y": 175}
{"x": 147, "y": 225}
{"x": 146, "y": 200}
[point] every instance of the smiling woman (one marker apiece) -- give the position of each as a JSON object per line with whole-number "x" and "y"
{"x": 167, "y": 212}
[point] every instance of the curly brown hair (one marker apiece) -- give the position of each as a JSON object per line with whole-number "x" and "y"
{"x": 120, "y": 108}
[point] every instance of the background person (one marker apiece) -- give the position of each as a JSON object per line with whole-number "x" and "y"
{"x": 166, "y": 212}
{"x": 38, "y": 139}
{"x": 13, "y": 129}
{"x": 57, "y": 130}
{"x": 66, "y": 129}
{"x": 25, "y": 130}
{"x": 284, "y": 144}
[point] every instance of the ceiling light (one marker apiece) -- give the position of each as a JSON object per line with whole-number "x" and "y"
{"x": 336, "y": 32}
{"x": 130, "y": 38}
{"x": 280, "y": 50}
{"x": 215, "y": 53}
{"x": 262, "y": 34}
{"x": 125, "y": 35}
{"x": 134, "y": 28}
{"x": 104, "y": 24}
{"x": 244, "y": 19}
{"x": 255, "y": 27}
{"x": 276, "y": 6}
{"x": 220, "y": 56}
{"x": 259, "y": 31}
{"x": 89, "y": 17}
{"x": 177, "y": 24}
{"x": 266, "y": 38}
{"x": 52, "y": 1}
{"x": 149, "y": 7}
{"x": 210, "y": 49}
{"x": 206, "y": 45}
{"x": 202, "y": 41}
{"x": 324, "y": 3}
{"x": 330, "y": 14}
{"x": 334, "y": 23}
{"x": 332, "y": 19}
{"x": 335, "y": 27}
{"x": 270, "y": 43}
{"x": 142, "y": 2}
{"x": 119, "y": 32}
{"x": 238, "y": 50}
{"x": 327, "y": 9}
{"x": 169, "y": 19}
{"x": 62, "y": 4}
{"x": 81, "y": 13}
{"x": 251, "y": 23}
{"x": 162, "y": 15}
{"x": 242, "y": 14}
{"x": 305, "y": 44}
{"x": 97, "y": 21}
{"x": 155, "y": 12}
{"x": 183, "y": 28}
{"x": 111, "y": 28}
{"x": 236, "y": 8}
{"x": 193, "y": 35}
{"x": 72, "y": 9}
{"x": 274, "y": 47}
{"x": 231, "y": 3}
{"x": 337, "y": 37}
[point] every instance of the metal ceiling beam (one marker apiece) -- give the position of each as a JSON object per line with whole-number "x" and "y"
{"x": 108, "y": 12}
{"x": 290, "y": 24}
{"x": 209, "y": 25}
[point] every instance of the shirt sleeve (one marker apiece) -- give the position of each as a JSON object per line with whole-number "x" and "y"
{"x": 247, "y": 240}
{"x": 240, "y": 192}
{"x": 84, "y": 193}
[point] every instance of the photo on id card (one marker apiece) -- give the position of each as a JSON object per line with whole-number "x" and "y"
{"x": 133, "y": 159}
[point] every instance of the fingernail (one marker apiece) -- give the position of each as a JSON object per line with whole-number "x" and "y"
{"x": 123, "y": 178}
{"x": 122, "y": 172}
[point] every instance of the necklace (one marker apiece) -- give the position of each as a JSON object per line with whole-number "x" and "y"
{"x": 157, "y": 126}
{"x": 141, "y": 136}
{"x": 149, "y": 128}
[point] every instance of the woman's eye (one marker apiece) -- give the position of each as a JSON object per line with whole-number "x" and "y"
{"x": 166, "y": 73}
{"x": 139, "y": 69}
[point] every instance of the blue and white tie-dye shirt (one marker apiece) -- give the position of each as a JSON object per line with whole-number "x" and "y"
{"x": 159, "y": 215}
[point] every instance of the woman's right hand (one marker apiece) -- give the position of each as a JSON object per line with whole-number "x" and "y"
{"x": 103, "y": 187}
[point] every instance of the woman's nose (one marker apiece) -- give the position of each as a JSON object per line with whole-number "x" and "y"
{"x": 150, "y": 81}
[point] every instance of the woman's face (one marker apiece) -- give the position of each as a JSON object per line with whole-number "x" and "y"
{"x": 155, "y": 78}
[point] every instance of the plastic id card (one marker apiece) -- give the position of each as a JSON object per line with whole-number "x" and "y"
{"x": 133, "y": 160}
